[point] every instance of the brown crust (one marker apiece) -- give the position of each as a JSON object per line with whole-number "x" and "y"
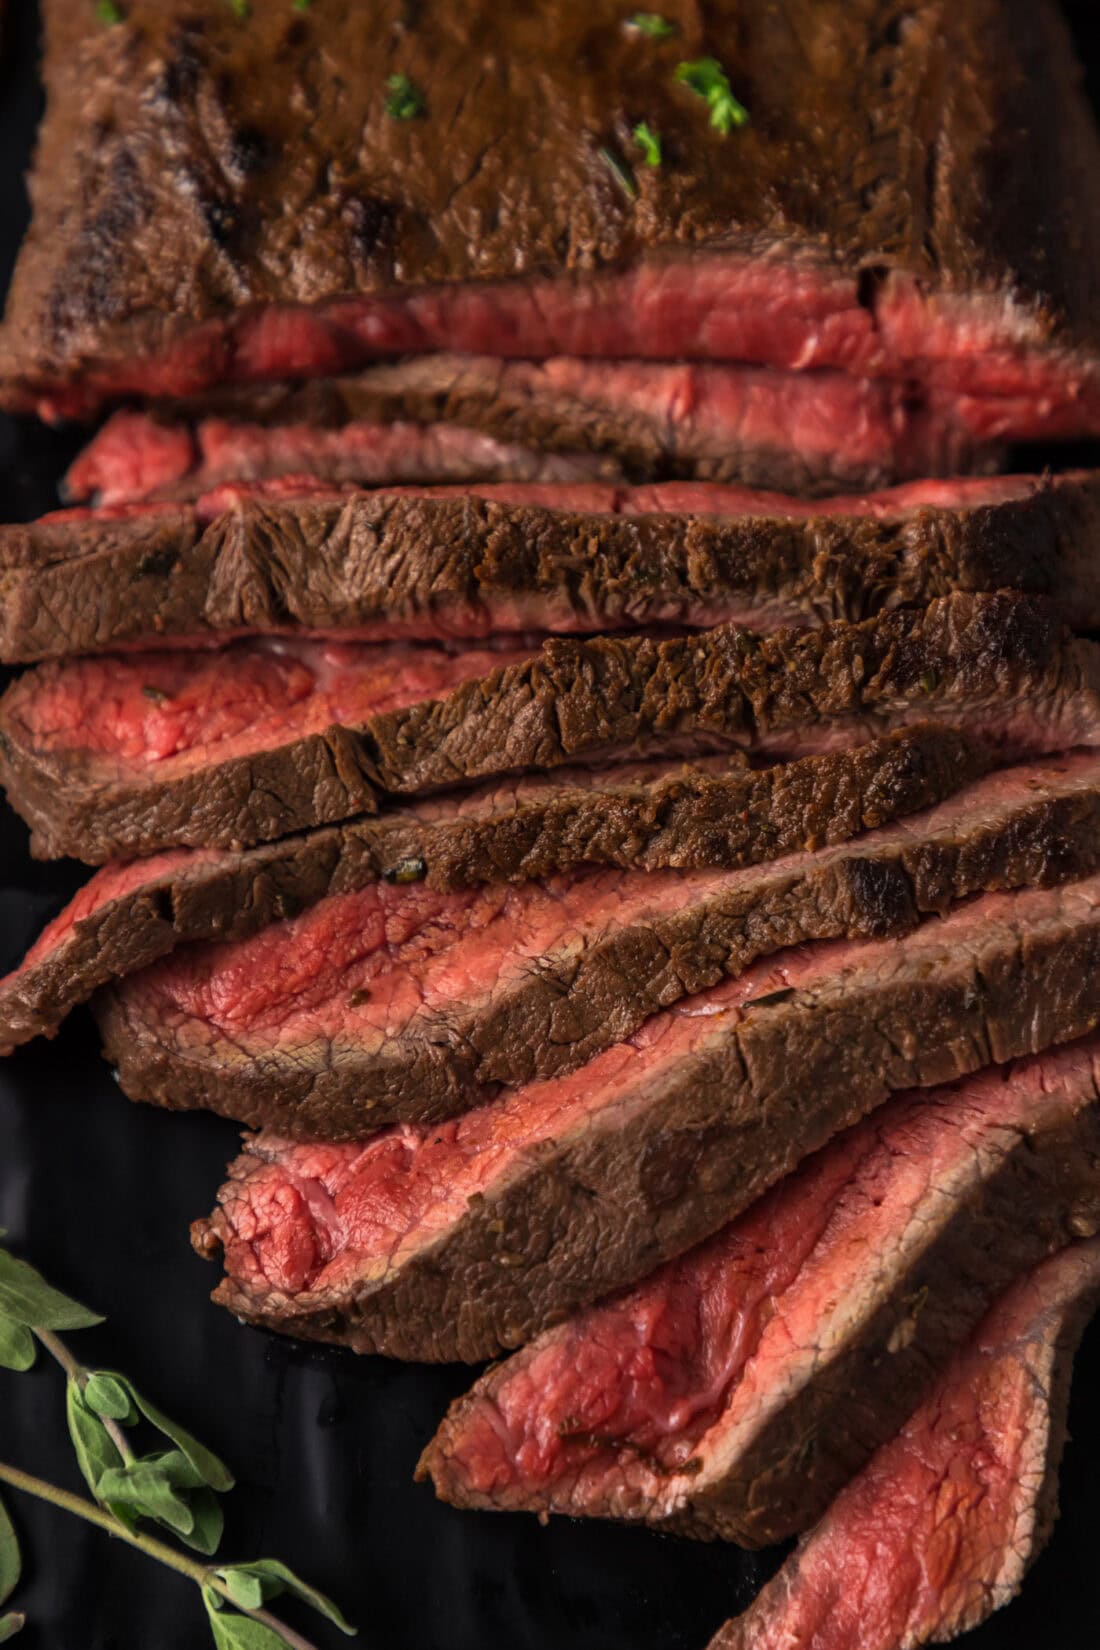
{"x": 193, "y": 164}
{"x": 1024, "y": 1198}
{"x": 603, "y": 1206}
{"x": 689, "y": 817}
{"x": 961, "y": 657}
{"x": 576, "y": 1004}
{"x": 86, "y": 585}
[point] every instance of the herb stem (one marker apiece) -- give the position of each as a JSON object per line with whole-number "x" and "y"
{"x": 203, "y": 1575}
{"x": 76, "y": 1372}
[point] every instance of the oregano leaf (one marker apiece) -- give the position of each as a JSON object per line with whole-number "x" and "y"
{"x": 233, "y": 1632}
{"x": 11, "y": 1564}
{"x": 277, "y": 1578}
{"x": 107, "y": 1396}
{"x": 10, "y": 1625}
{"x": 95, "y": 1449}
{"x": 245, "y": 1590}
{"x": 176, "y": 1469}
{"x": 210, "y": 1470}
{"x": 16, "y": 1345}
{"x": 29, "y": 1299}
{"x": 145, "y": 1488}
{"x": 209, "y": 1522}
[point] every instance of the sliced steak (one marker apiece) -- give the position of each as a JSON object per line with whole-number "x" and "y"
{"x": 138, "y": 458}
{"x": 455, "y": 1240}
{"x": 942, "y": 1526}
{"x": 116, "y": 756}
{"x": 475, "y": 417}
{"x": 461, "y": 565}
{"x": 738, "y": 1389}
{"x": 404, "y": 1002}
{"x": 911, "y": 198}
{"x": 717, "y": 812}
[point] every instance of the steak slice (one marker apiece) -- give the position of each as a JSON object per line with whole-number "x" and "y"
{"x": 405, "y": 1003}
{"x": 476, "y": 417}
{"x": 139, "y": 458}
{"x": 469, "y": 565}
{"x": 717, "y": 813}
{"x": 111, "y": 757}
{"x": 457, "y": 1240}
{"x": 912, "y": 199}
{"x": 941, "y": 1527}
{"x": 738, "y": 1389}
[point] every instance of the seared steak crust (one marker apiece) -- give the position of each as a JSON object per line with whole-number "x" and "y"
{"x": 463, "y": 565}
{"x": 842, "y": 1295}
{"x": 718, "y": 813}
{"x": 1002, "y": 662}
{"x": 680, "y": 1145}
{"x": 589, "y": 987}
{"x": 192, "y": 170}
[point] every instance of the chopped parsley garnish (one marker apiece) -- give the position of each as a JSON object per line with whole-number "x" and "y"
{"x": 240, "y": 8}
{"x": 707, "y": 78}
{"x": 621, "y": 172}
{"x": 653, "y": 25}
{"x": 649, "y": 143}
{"x": 108, "y": 12}
{"x": 404, "y": 101}
{"x": 302, "y": 5}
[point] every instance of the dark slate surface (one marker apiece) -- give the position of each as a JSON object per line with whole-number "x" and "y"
{"x": 100, "y": 1194}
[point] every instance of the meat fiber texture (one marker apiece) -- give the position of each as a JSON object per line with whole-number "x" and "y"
{"x": 738, "y": 1389}
{"x": 468, "y": 1237}
{"x": 717, "y": 812}
{"x": 911, "y": 198}
{"x": 453, "y": 418}
{"x": 122, "y": 755}
{"x": 942, "y": 1526}
{"x": 469, "y": 564}
{"x": 410, "y": 1003}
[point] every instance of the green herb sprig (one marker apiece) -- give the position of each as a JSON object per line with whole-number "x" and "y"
{"x": 404, "y": 101}
{"x": 652, "y": 25}
{"x": 648, "y": 142}
{"x": 108, "y": 14}
{"x": 706, "y": 77}
{"x": 175, "y": 1488}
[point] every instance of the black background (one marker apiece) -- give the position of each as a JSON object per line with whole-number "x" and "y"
{"x": 100, "y": 1193}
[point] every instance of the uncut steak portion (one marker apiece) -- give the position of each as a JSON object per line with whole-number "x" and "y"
{"x": 456, "y": 1240}
{"x": 738, "y": 1389}
{"x": 941, "y": 1527}
{"x": 122, "y": 755}
{"x": 493, "y": 560}
{"x": 406, "y": 1003}
{"x": 912, "y": 196}
{"x": 716, "y": 812}
{"x": 475, "y": 417}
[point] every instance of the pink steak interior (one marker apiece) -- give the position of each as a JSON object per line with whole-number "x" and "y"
{"x": 938, "y": 1528}
{"x": 360, "y": 969}
{"x": 711, "y": 1338}
{"x": 151, "y": 708}
{"x": 316, "y": 1217}
{"x": 716, "y": 307}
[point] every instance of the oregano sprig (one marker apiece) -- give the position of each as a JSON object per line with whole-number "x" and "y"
{"x": 706, "y": 77}
{"x": 176, "y": 1487}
